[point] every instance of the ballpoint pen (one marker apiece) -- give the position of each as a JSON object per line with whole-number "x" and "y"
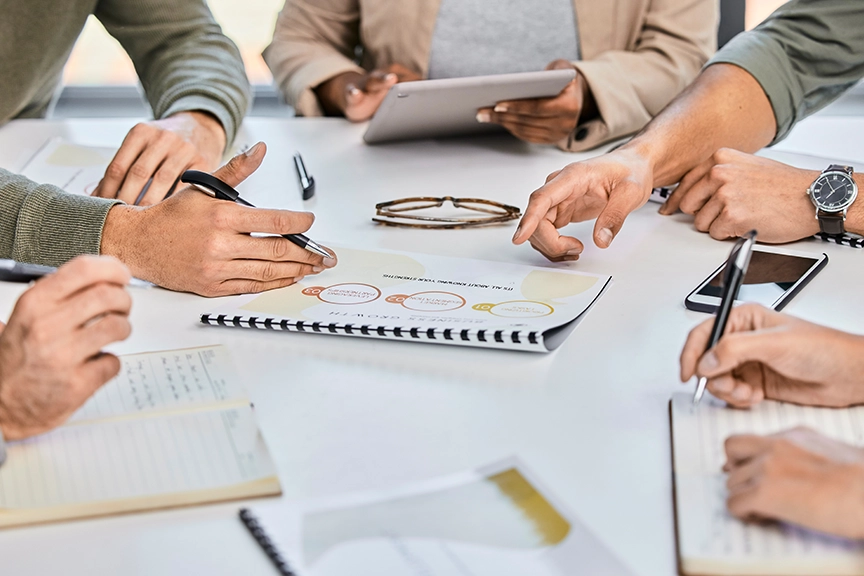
{"x": 733, "y": 276}
{"x": 213, "y": 186}
{"x": 307, "y": 182}
{"x": 12, "y": 271}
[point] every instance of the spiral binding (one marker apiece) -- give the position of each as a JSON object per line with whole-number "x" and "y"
{"x": 264, "y": 541}
{"x": 488, "y": 337}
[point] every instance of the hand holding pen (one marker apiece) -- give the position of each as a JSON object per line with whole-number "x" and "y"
{"x": 733, "y": 277}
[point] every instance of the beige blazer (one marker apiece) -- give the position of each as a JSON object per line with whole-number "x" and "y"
{"x": 636, "y": 54}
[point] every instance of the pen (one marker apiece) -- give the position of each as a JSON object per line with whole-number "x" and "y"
{"x": 12, "y": 271}
{"x": 733, "y": 276}
{"x": 215, "y": 187}
{"x": 307, "y": 182}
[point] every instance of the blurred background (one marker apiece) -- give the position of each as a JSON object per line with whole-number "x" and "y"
{"x": 99, "y": 79}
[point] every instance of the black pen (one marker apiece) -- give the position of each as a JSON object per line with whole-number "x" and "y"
{"x": 213, "y": 186}
{"x": 733, "y": 277}
{"x": 12, "y": 271}
{"x": 307, "y": 182}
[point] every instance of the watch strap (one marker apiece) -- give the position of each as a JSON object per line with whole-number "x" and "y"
{"x": 839, "y": 168}
{"x": 831, "y": 223}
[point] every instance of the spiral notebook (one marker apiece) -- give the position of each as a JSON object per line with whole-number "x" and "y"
{"x": 710, "y": 540}
{"x": 423, "y": 298}
{"x": 496, "y": 520}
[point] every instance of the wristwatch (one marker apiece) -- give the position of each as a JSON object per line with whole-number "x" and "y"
{"x": 832, "y": 194}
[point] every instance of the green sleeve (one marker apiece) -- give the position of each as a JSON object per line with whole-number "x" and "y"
{"x": 805, "y": 55}
{"x": 41, "y": 224}
{"x": 183, "y": 59}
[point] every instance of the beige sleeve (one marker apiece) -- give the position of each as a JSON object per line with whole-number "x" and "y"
{"x": 313, "y": 42}
{"x": 631, "y": 87}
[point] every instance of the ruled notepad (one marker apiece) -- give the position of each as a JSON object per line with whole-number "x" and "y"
{"x": 173, "y": 428}
{"x": 710, "y": 540}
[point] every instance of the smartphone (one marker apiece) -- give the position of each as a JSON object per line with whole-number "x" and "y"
{"x": 774, "y": 277}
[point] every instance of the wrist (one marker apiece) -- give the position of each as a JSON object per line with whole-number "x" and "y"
{"x": 122, "y": 226}
{"x": 855, "y": 213}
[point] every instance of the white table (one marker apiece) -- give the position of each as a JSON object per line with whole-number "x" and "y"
{"x": 342, "y": 414}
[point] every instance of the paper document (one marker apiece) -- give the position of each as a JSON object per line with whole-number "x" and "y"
{"x": 711, "y": 541}
{"x": 75, "y": 168}
{"x": 493, "y": 521}
{"x": 173, "y": 428}
{"x": 418, "y": 297}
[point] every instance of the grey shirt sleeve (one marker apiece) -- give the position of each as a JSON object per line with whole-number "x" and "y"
{"x": 805, "y": 55}
{"x": 41, "y": 224}
{"x": 183, "y": 59}
{"x": 2, "y": 449}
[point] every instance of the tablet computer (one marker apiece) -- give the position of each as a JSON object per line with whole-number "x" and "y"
{"x": 448, "y": 107}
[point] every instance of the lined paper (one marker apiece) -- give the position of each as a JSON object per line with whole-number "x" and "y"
{"x": 123, "y": 459}
{"x": 714, "y": 542}
{"x": 165, "y": 381}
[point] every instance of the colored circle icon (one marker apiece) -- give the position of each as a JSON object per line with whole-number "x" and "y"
{"x": 344, "y": 294}
{"x": 433, "y": 302}
{"x": 516, "y": 309}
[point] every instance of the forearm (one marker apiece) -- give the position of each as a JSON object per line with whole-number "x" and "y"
{"x": 41, "y": 224}
{"x": 183, "y": 59}
{"x": 724, "y": 108}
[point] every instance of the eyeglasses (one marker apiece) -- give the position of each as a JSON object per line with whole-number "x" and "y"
{"x": 483, "y": 213}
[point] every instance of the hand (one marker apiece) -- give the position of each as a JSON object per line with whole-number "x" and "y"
{"x": 358, "y": 96}
{"x": 607, "y": 188}
{"x": 543, "y": 120}
{"x": 734, "y": 192}
{"x": 797, "y": 476}
{"x": 50, "y": 351}
{"x": 765, "y": 354}
{"x": 162, "y": 150}
{"x": 195, "y": 243}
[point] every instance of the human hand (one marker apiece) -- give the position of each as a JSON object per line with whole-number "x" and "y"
{"x": 50, "y": 351}
{"x": 543, "y": 120}
{"x": 797, "y": 476}
{"x": 192, "y": 242}
{"x": 358, "y": 96}
{"x": 734, "y": 192}
{"x": 161, "y": 150}
{"x": 607, "y": 188}
{"x": 765, "y": 354}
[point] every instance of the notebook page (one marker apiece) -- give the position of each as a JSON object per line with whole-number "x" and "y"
{"x": 711, "y": 541}
{"x": 123, "y": 465}
{"x": 166, "y": 381}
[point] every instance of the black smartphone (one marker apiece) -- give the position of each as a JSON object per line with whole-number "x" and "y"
{"x": 774, "y": 277}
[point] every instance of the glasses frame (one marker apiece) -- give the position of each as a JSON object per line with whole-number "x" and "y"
{"x": 499, "y": 213}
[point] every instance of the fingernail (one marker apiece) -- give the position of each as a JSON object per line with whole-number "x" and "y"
{"x": 741, "y": 393}
{"x": 664, "y": 210}
{"x": 253, "y": 150}
{"x": 483, "y": 117}
{"x": 329, "y": 262}
{"x": 317, "y": 269}
{"x": 574, "y": 252}
{"x": 605, "y": 237}
{"x": 500, "y": 108}
{"x": 352, "y": 90}
{"x": 391, "y": 77}
{"x": 708, "y": 363}
{"x": 298, "y": 278}
{"x": 518, "y": 231}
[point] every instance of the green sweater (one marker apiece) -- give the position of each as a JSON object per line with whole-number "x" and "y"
{"x": 805, "y": 55}
{"x": 184, "y": 63}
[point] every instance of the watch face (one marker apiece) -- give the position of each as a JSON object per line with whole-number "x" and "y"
{"x": 833, "y": 191}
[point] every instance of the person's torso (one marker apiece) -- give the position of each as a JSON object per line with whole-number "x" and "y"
{"x": 402, "y": 32}
{"x": 481, "y": 37}
{"x": 36, "y": 38}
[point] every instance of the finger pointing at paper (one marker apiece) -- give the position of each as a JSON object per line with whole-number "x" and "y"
{"x": 607, "y": 189}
